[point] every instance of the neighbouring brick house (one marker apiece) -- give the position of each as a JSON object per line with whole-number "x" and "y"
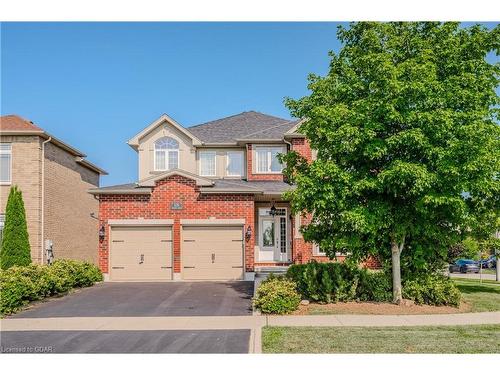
{"x": 207, "y": 204}
{"x": 54, "y": 179}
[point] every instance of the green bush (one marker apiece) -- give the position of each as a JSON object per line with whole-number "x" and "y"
{"x": 15, "y": 246}
{"x": 339, "y": 282}
{"x": 432, "y": 289}
{"x": 21, "y": 285}
{"x": 277, "y": 295}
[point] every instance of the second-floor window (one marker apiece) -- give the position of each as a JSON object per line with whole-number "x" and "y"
{"x": 5, "y": 163}
{"x": 207, "y": 163}
{"x": 267, "y": 159}
{"x": 234, "y": 163}
{"x": 166, "y": 154}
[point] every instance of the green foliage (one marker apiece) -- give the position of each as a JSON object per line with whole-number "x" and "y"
{"x": 432, "y": 289}
{"x": 405, "y": 124}
{"x": 339, "y": 282}
{"x": 15, "y": 247}
{"x": 21, "y": 285}
{"x": 277, "y": 295}
{"x": 471, "y": 248}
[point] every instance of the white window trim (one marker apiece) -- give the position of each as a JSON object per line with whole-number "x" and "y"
{"x": 214, "y": 153}
{"x": 8, "y": 152}
{"x": 166, "y": 152}
{"x": 241, "y": 174}
{"x": 317, "y": 251}
{"x": 269, "y": 161}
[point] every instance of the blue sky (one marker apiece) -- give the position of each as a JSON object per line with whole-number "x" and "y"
{"x": 95, "y": 85}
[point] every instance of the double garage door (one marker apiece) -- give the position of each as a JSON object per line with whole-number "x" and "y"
{"x": 140, "y": 253}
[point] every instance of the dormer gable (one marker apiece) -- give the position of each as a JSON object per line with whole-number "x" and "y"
{"x": 163, "y": 121}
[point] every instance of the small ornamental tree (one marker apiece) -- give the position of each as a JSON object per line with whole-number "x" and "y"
{"x": 15, "y": 249}
{"x": 406, "y": 128}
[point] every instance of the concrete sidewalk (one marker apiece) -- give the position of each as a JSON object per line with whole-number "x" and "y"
{"x": 252, "y": 323}
{"x": 241, "y": 322}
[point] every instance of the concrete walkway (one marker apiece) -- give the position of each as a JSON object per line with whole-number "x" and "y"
{"x": 253, "y": 323}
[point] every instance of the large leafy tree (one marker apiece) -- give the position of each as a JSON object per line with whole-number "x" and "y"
{"x": 15, "y": 250}
{"x": 405, "y": 124}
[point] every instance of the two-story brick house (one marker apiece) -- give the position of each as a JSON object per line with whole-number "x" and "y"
{"x": 54, "y": 178}
{"x": 207, "y": 204}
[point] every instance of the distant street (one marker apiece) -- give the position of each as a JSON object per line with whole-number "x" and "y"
{"x": 475, "y": 276}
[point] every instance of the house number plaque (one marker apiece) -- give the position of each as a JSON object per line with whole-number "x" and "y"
{"x": 176, "y": 206}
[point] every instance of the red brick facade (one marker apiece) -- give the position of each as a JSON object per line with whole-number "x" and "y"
{"x": 194, "y": 206}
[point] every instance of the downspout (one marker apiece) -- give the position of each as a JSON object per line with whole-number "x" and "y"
{"x": 43, "y": 199}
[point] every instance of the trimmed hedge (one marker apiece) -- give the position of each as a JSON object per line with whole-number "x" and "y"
{"x": 21, "y": 285}
{"x": 339, "y": 282}
{"x": 277, "y": 295}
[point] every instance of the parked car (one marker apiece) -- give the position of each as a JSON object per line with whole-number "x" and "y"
{"x": 490, "y": 262}
{"x": 464, "y": 266}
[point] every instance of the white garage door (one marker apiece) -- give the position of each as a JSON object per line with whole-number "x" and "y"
{"x": 212, "y": 253}
{"x": 141, "y": 253}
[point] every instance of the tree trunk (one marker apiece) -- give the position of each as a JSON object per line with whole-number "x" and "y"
{"x": 396, "y": 272}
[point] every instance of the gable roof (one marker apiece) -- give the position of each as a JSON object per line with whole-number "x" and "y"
{"x": 243, "y": 126}
{"x": 16, "y": 125}
{"x": 134, "y": 141}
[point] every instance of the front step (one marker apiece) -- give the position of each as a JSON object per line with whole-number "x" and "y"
{"x": 265, "y": 271}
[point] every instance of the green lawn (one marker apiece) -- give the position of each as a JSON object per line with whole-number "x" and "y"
{"x": 440, "y": 339}
{"x": 483, "y": 296}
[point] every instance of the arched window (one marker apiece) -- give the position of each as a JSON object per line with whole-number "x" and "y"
{"x": 166, "y": 154}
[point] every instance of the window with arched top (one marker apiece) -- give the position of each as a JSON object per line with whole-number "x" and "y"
{"x": 166, "y": 154}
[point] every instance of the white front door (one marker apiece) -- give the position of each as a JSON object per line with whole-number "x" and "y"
{"x": 273, "y": 234}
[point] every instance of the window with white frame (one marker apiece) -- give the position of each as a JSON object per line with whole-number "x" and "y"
{"x": 317, "y": 250}
{"x": 166, "y": 154}
{"x": 234, "y": 163}
{"x": 208, "y": 163}
{"x": 5, "y": 163}
{"x": 267, "y": 159}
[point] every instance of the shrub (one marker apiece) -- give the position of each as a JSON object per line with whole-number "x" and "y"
{"x": 21, "y": 285}
{"x": 432, "y": 289}
{"x": 374, "y": 286}
{"x": 15, "y": 246}
{"x": 339, "y": 282}
{"x": 277, "y": 295}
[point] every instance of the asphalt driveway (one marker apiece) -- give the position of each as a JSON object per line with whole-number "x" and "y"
{"x": 201, "y": 341}
{"x": 149, "y": 299}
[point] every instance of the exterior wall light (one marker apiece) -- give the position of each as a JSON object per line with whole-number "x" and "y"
{"x": 102, "y": 232}
{"x": 248, "y": 233}
{"x": 273, "y": 211}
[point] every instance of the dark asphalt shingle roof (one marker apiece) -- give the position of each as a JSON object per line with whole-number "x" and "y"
{"x": 220, "y": 185}
{"x": 243, "y": 185}
{"x": 246, "y": 125}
